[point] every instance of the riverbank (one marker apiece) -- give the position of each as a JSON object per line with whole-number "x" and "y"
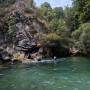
{"x": 33, "y": 62}
{"x": 37, "y": 62}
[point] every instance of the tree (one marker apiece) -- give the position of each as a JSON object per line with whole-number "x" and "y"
{"x": 46, "y": 4}
{"x": 62, "y": 29}
{"x": 45, "y": 11}
{"x": 58, "y": 12}
{"x": 71, "y": 18}
{"x": 54, "y": 25}
{"x": 82, "y": 7}
{"x": 82, "y": 38}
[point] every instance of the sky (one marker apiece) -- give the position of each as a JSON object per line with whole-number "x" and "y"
{"x": 55, "y": 3}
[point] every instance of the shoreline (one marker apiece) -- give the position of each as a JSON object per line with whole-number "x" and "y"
{"x": 37, "y": 62}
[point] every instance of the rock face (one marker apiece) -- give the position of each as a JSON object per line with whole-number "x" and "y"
{"x": 87, "y": 45}
{"x": 5, "y": 55}
{"x": 22, "y": 31}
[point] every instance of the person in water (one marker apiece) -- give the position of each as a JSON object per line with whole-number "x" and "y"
{"x": 55, "y": 58}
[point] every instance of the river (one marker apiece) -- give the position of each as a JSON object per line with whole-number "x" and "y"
{"x": 71, "y": 73}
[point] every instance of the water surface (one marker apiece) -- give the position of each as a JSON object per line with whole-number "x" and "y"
{"x": 69, "y": 74}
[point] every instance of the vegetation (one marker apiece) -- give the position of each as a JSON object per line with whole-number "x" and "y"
{"x": 71, "y": 24}
{"x": 82, "y": 38}
{"x": 67, "y": 28}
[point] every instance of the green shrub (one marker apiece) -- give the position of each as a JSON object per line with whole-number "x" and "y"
{"x": 53, "y": 37}
{"x": 82, "y": 37}
{"x": 82, "y": 32}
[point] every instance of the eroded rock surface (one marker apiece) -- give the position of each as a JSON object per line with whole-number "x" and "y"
{"x": 23, "y": 30}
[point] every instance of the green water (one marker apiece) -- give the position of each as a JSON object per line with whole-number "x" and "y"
{"x": 68, "y": 74}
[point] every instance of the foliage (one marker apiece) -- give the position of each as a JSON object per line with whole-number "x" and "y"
{"x": 71, "y": 18}
{"x": 62, "y": 29}
{"x": 82, "y": 7}
{"x": 82, "y": 37}
{"x": 49, "y": 13}
{"x": 46, "y": 11}
{"x": 70, "y": 23}
{"x": 58, "y": 12}
{"x": 83, "y": 29}
{"x": 53, "y": 25}
{"x": 53, "y": 37}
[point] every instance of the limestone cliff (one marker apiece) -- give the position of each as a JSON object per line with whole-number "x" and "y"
{"x": 19, "y": 27}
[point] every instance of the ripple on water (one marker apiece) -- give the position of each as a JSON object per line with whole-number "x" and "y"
{"x": 1, "y": 74}
{"x": 48, "y": 82}
{"x": 70, "y": 74}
